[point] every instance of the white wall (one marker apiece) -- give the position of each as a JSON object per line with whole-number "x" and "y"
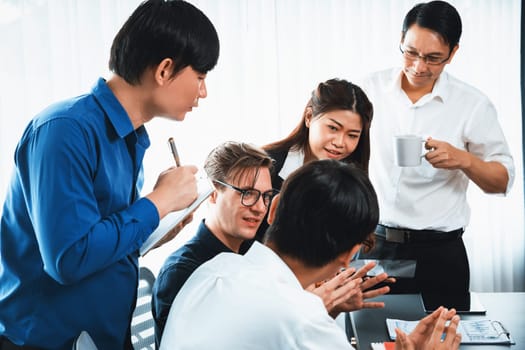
{"x": 273, "y": 53}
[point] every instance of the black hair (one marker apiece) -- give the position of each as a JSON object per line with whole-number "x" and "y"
{"x": 438, "y": 16}
{"x": 160, "y": 29}
{"x": 332, "y": 95}
{"x": 326, "y": 208}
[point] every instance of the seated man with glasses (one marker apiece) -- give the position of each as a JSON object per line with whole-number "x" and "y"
{"x": 424, "y": 209}
{"x": 241, "y": 175}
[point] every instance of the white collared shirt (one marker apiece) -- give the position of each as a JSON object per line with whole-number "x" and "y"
{"x": 424, "y": 197}
{"x": 249, "y": 302}
{"x": 294, "y": 160}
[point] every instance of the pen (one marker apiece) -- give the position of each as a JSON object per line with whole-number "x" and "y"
{"x": 173, "y": 148}
{"x": 503, "y": 329}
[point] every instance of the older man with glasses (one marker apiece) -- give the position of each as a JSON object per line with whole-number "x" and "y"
{"x": 424, "y": 209}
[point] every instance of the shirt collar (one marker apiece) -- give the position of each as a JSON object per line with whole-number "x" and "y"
{"x": 115, "y": 113}
{"x": 440, "y": 90}
{"x": 395, "y": 80}
{"x": 293, "y": 161}
{"x": 259, "y": 254}
{"x": 208, "y": 239}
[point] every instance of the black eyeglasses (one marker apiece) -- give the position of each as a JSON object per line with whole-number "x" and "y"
{"x": 430, "y": 60}
{"x": 250, "y": 196}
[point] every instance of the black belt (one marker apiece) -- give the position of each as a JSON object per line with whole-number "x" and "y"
{"x": 405, "y": 235}
{"x": 6, "y": 344}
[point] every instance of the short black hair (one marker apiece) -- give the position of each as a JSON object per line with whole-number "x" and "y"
{"x": 438, "y": 16}
{"x": 326, "y": 208}
{"x": 160, "y": 29}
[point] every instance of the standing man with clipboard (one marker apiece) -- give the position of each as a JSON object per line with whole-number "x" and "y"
{"x": 73, "y": 220}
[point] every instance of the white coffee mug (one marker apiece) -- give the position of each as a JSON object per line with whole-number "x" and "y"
{"x": 408, "y": 150}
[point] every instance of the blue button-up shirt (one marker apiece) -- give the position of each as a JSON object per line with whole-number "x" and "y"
{"x": 72, "y": 223}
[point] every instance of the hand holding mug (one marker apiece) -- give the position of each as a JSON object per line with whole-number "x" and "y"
{"x": 445, "y": 156}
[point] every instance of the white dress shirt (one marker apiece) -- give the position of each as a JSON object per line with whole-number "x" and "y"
{"x": 424, "y": 197}
{"x": 249, "y": 302}
{"x": 294, "y": 160}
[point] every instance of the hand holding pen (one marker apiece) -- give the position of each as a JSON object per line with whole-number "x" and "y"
{"x": 176, "y": 187}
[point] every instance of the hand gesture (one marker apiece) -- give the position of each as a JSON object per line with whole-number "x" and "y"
{"x": 337, "y": 290}
{"x": 359, "y": 300}
{"x": 428, "y": 334}
{"x": 350, "y": 290}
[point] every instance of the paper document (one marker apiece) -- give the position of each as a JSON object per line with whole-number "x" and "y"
{"x": 480, "y": 331}
{"x": 205, "y": 189}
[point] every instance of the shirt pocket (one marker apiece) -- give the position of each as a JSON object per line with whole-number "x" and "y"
{"x": 428, "y": 172}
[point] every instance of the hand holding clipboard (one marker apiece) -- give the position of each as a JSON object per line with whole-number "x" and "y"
{"x": 172, "y": 221}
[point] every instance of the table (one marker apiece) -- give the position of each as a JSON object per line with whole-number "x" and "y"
{"x": 369, "y": 325}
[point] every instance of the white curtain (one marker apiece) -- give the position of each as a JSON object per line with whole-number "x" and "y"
{"x": 273, "y": 53}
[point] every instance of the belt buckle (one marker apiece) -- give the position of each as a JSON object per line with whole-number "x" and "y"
{"x": 394, "y": 235}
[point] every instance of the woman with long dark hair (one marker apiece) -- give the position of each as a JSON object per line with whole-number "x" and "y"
{"x": 335, "y": 125}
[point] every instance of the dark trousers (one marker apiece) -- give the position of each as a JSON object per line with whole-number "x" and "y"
{"x": 441, "y": 266}
{"x": 6, "y": 344}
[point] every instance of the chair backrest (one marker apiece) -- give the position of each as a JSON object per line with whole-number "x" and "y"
{"x": 142, "y": 324}
{"x": 84, "y": 342}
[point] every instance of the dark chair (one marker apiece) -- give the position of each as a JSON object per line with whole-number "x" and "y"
{"x": 142, "y": 324}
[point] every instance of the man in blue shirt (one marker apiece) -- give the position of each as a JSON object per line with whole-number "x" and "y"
{"x": 73, "y": 220}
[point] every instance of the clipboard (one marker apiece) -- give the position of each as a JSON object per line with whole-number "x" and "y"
{"x": 205, "y": 188}
{"x": 475, "y": 332}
